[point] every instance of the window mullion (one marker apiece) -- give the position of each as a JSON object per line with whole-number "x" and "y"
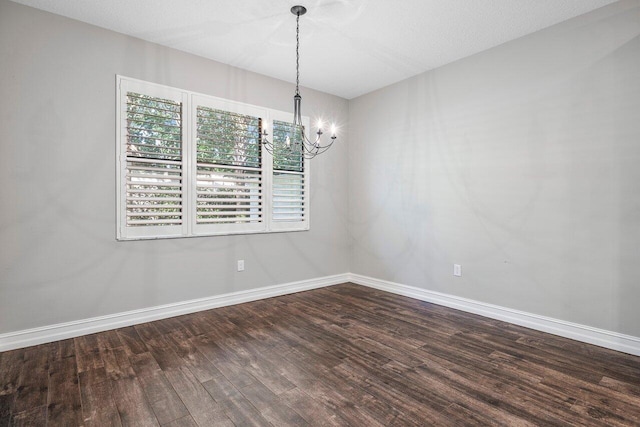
{"x": 267, "y": 178}
{"x": 187, "y": 163}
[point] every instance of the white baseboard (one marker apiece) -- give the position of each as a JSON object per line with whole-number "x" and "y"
{"x": 603, "y": 338}
{"x": 608, "y": 339}
{"x": 60, "y": 331}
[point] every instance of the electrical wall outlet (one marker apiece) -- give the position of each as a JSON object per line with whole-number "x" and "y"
{"x": 240, "y": 265}
{"x": 457, "y": 270}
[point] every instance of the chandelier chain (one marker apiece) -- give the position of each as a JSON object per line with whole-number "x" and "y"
{"x": 297, "y": 53}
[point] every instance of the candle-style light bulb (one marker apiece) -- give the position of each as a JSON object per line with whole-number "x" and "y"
{"x": 319, "y": 124}
{"x": 333, "y": 130}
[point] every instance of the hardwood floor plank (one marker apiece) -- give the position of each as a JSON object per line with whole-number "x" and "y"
{"x": 98, "y": 405}
{"x": 93, "y": 376}
{"x": 255, "y": 365}
{"x": 625, "y": 387}
{"x": 271, "y": 406}
{"x": 86, "y": 343}
{"x": 6, "y": 402}
{"x": 10, "y": 367}
{"x": 195, "y": 324}
{"x": 459, "y": 415}
{"x": 163, "y": 354}
{"x": 221, "y": 389}
{"x": 34, "y": 417}
{"x": 597, "y": 365}
{"x": 601, "y": 415}
{"x": 313, "y": 412}
{"x": 89, "y": 361}
{"x": 242, "y": 413}
{"x": 116, "y": 364}
{"x": 133, "y": 407}
{"x": 416, "y": 404}
{"x": 199, "y": 365}
{"x": 224, "y": 362}
{"x": 131, "y": 341}
{"x": 164, "y": 401}
{"x": 239, "y": 410}
{"x": 33, "y": 384}
{"x": 625, "y": 407}
{"x": 63, "y": 349}
{"x": 304, "y": 374}
{"x": 204, "y": 410}
{"x": 187, "y": 421}
{"x": 479, "y": 394}
{"x": 65, "y": 408}
{"x": 147, "y": 331}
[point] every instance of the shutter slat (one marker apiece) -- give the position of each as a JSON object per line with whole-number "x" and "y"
{"x": 287, "y": 196}
{"x": 204, "y": 166}
{"x": 208, "y": 200}
{"x": 288, "y": 218}
{"x": 152, "y": 214}
{"x": 175, "y": 144}
{"x": 154, "y": 222}
{"x": 151, "y": 191}
{"x": 154, "y": 199}
{"x": 256, "y": 180}
{"x": 239, "y": 214}
{"x": 151, "y": 207}
{"x": 154, "y": 169}
{"x": 228, "y": 220}
{"x": 230, "y": 205}
{"x": 142, "y": 117}
{"x": 163, "y": 162}
{"x": 165, "y": 177}
{"x": 151, "y": 182}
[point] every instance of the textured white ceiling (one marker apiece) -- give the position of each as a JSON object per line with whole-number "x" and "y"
{"x": 348, "y": 47}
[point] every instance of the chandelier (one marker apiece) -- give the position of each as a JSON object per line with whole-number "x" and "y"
{"x": 298, "y": 140}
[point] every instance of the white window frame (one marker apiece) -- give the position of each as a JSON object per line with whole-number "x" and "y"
{"x": 189, "y": 228}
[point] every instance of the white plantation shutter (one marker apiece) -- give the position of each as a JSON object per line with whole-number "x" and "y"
{"x": 151, "y": 157}
{"x": 289, "y": 197}
{"x": 229, "y": 168}
{"x": 154, "y": 193}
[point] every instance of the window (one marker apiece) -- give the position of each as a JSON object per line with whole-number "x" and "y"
{"x": 194, "y": 165}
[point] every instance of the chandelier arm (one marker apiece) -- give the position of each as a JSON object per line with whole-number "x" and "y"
{"x": 315, "y": 143}
{"x": 306, "y": 140}
{"x": 313, "y": 154}
{"x": 268, "y": 145}
{"x": 317, "y": 148}
{"x": 322, "y": 148}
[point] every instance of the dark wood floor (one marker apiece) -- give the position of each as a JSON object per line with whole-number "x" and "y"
{"x": 344, "y": 355}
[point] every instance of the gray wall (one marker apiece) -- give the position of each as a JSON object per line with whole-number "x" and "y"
{"x": 59, "y": 260}
{"x": 521, "y": 163}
